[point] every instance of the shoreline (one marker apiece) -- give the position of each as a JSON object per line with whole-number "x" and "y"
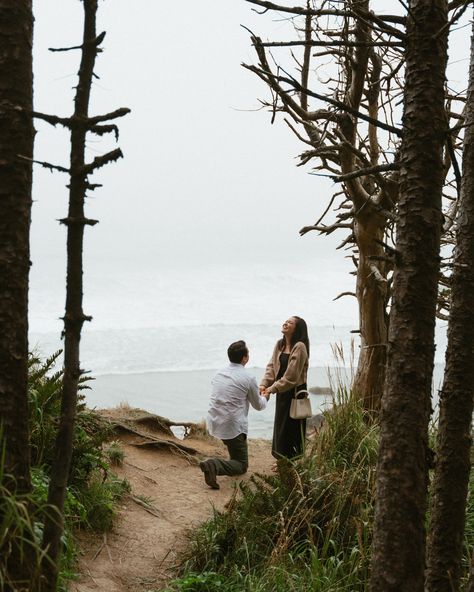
{"x": 184, "y": 396}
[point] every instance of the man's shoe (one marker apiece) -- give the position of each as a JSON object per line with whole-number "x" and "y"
{"x": 209, "y": 470}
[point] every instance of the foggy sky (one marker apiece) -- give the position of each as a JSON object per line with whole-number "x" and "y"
{"x": 201, "y": 166}
{"x": 205, "y": 180}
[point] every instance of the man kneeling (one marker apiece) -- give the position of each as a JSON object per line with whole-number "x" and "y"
{"x": 233, "y": 389}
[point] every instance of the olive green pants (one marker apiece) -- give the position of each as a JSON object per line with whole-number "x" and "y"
{"x": 239, "y": 459}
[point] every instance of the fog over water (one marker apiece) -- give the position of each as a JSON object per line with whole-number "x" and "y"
{"x": 198, "y": 240}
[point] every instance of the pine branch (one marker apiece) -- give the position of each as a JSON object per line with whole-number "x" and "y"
{"x": 100, "y": 161}
{"x": 46, "y": 165}
{"x": 88, "y": 123}
{"x": 112, "y": 115}
{"x": 344, "y": 294}
{"x": 70, "y": 221}
{"x": 96, "y": 41}
{"x": 324, "y": 229}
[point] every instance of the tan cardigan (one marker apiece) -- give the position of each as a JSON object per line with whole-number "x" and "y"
{"x": 296, "y": 371}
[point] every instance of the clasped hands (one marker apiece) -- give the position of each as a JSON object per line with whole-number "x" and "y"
{"x": 264, "y": 391}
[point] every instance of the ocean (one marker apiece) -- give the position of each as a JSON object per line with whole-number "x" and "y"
{"x": 168, "y": 370}
{"x": 157, "y": 338}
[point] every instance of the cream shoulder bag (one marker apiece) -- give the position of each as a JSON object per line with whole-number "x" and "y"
{"x": 300, "y": 408}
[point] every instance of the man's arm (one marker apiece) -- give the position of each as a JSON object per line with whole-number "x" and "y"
{"x": 257, "y": 401}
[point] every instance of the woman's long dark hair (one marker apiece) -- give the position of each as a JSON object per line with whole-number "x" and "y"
{"x": 299, "y": 334}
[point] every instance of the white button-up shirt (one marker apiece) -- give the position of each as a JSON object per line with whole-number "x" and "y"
{"x": 233, "y": 389}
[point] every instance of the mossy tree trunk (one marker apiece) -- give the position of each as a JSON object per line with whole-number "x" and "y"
{"x": 398, "y": 552}
{"x": 16, "y": 141}
{"x": 450, "y": 487}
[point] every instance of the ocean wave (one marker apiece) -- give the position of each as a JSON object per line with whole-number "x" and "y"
{"x": 195, "y": 347}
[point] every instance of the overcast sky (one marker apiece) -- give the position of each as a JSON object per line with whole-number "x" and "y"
{"x": 204, "y": 171}
{"x": 205, "y": 179}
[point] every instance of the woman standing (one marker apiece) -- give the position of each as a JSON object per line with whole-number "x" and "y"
{"x": 286, "y": 374}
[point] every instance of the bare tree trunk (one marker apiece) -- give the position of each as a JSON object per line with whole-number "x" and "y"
{"x": 74, "y": 315}
{"x": 344, "y": 140}
{"x": 368, "y": 225}
{"x": 79, "y": 124}
{"x": 372, "y": 298}
{"x": 16, "y": 138}
{"x": 398, "y": 554}
{"x": 450, "y": 487}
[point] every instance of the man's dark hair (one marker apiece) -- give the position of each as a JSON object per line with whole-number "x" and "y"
{"x": 237, "y": 351}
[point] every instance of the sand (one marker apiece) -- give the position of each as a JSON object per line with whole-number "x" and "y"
{"x": 142, "y": 550}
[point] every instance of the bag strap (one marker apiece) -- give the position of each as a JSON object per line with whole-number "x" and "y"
{"x": 302, "y": 391}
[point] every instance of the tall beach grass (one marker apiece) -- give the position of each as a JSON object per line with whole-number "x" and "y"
{"x": 309, "y": 526}
{"x": 305, "y": 528}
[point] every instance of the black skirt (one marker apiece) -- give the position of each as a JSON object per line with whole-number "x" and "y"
{"x": 288, "y": 433}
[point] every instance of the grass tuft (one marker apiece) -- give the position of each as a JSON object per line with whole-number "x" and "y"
{"x": 114, "y": 453}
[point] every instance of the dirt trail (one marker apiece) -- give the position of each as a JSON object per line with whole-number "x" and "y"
{"x": 139, "y": 553}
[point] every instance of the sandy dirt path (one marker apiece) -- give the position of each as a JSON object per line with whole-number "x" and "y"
{"x": 138, "y": 555}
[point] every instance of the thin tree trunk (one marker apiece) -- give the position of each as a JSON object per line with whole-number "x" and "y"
{"x": 16, "y": 138}
{"x": 79, "y": 124}
{"x": 450, "y": 487}
{"x": 398, "y": 554}
{"x": 74, "y": 315}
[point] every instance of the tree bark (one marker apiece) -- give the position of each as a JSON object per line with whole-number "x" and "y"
{"x": 368, "y": 226}
{"x": 16, "y": 138}
{"x": 450, "y": 487}
{"x": 80, "y": 124}
{"x": 74, "y": 315}
{"x": 371, "y": 291}
{"x": 398, "y": 554}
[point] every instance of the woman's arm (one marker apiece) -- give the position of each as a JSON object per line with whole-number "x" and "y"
{"x": 292, "y": 376}
{"x": 270, "y": 374}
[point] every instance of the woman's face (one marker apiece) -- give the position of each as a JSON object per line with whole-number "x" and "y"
{"x": 288, "y": 327}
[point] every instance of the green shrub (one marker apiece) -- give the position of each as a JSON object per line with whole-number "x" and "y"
{"x": 19, "y": 536}
{"x": 93, "y": 491}
{"x": 90, "y": 430}
{"x": 202, "y": 582}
